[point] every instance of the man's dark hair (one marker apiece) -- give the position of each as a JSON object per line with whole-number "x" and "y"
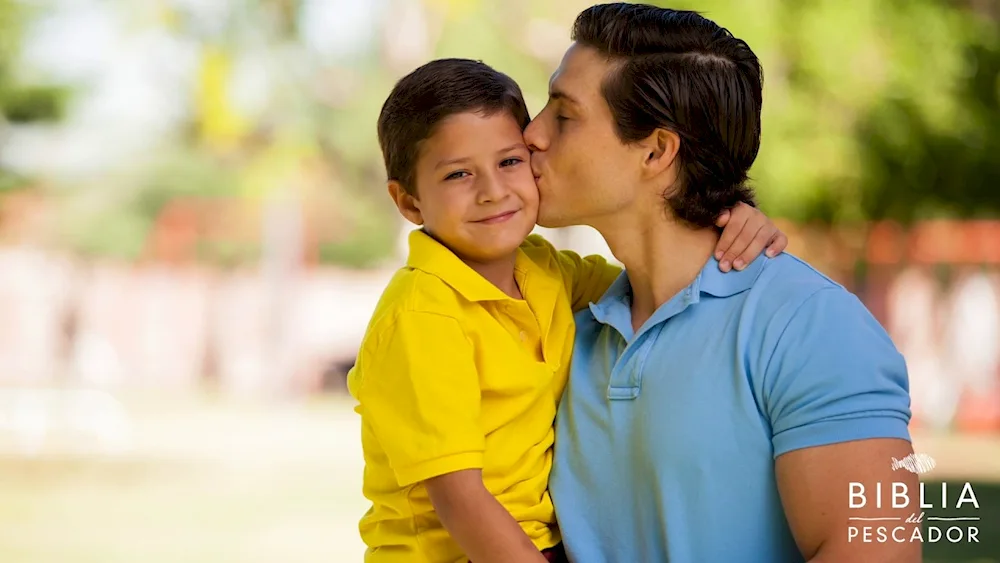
{"x": 421, "y": 100}
{"x": 680, "y": 71}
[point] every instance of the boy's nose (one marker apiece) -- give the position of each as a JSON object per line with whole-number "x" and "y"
{"x": 491, "y": 189}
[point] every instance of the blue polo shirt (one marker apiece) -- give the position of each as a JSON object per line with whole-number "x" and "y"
{"x": 666, "y": 438}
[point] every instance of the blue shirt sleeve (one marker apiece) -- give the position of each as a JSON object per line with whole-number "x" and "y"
{"x": 834, "y": 376}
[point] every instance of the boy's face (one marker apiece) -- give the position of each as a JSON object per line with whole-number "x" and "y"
{"x": 475, "y": 190}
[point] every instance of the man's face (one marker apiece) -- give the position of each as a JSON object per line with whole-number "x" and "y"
{"x": 583, "y": 170}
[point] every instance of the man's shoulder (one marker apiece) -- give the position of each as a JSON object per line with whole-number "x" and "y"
{"x": 787, "y": 282}
{"x": 793, "y": 301}
{"x": 790, "y": 289}
{"x": 791, "y": 273}
{"x": 817, "y": 355}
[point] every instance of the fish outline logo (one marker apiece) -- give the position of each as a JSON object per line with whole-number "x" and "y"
{"x": 914, "y": 463}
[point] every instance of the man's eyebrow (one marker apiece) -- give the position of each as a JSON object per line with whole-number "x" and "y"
{"x": 560, "y": 95}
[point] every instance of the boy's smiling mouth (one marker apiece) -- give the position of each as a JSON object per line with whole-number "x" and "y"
{"x": 498, "y": 218}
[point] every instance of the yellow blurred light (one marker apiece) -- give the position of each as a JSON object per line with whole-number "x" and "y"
{"x": 221, "y": 125}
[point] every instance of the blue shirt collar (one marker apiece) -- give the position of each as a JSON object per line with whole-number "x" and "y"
{"x": 616, "y": 303}
{"x": 615, "y": 306}
{"x": 717, "y": 283}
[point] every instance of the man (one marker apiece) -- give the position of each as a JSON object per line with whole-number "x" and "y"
{"x": 709, "y": 417}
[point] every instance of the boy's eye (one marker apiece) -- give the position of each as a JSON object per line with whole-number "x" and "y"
{"x": 561, "y": 118}
{"x": 510, "y": 161}
{"x": 457, "y": 175}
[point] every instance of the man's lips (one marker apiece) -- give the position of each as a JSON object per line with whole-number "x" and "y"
{"x": 498, "y": 218}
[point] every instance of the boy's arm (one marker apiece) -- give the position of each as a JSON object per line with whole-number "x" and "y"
{"x": 587, "y": 277}
{"x": 477, "y": 521}
{"x": 420, "y": 395}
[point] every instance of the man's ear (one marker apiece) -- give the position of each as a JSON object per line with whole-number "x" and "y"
{"x": 660, "y": 150}
{"x": 407, "y": 204}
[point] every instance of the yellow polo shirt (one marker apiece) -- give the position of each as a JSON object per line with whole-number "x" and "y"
{"x": 453, "y": 374}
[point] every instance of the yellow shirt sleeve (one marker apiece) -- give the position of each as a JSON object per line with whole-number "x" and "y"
{"x": 587, "y": 278}
{"x": 421, "y": 396}
{"x": 590, "y": 276}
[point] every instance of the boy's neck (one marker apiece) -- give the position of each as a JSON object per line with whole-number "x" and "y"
{"x": 500, "y": 273}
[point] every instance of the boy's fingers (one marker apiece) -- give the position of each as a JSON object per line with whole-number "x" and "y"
{"x": 740, "y": 246}
{"x": 723, "y": 219}
{"x": 734, "y": 226}
{"x": 756, "y": 246}
{"x": 778, "y": 245}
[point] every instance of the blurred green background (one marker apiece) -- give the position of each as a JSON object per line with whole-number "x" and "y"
{"x": 194, "y": 229}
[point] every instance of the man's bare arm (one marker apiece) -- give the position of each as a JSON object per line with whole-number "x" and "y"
{"x": 816, "y": 484}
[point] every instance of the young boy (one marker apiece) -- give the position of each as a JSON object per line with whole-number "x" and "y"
{"x": 467, "y": 354}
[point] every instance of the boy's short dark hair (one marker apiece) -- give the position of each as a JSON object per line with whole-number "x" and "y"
{"x": 421, "y": 100}
{"x": 681, "y": 71}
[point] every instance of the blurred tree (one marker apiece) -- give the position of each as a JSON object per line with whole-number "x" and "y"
{"x": 116, "y": 216}
{"x": 916, "y": 169}
{"x": 872, "y": 109}
{"x": 854, "y": 92}
{"x": 21, "y": 102}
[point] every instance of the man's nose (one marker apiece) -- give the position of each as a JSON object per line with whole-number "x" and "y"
{"x": 535, "y": 137}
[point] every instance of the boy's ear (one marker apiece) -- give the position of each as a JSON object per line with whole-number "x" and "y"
{"x": 407, "y": 204}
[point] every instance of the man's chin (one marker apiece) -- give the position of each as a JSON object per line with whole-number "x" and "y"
{"x": 550, "y": 222}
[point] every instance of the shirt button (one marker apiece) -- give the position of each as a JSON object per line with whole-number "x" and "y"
{"x": 524, "y": 336}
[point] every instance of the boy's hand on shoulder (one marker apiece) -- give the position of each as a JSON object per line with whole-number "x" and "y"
{"x": 746, "y": 232}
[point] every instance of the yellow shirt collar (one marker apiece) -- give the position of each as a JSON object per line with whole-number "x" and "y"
{"x": 432, "y": 257}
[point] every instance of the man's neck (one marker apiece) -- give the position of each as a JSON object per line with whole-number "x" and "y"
{"x": 661, "y": 256}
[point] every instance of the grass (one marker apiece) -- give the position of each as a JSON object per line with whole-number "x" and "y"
{"x": 206, "y": 483}
{"x": 210, "y": 481}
